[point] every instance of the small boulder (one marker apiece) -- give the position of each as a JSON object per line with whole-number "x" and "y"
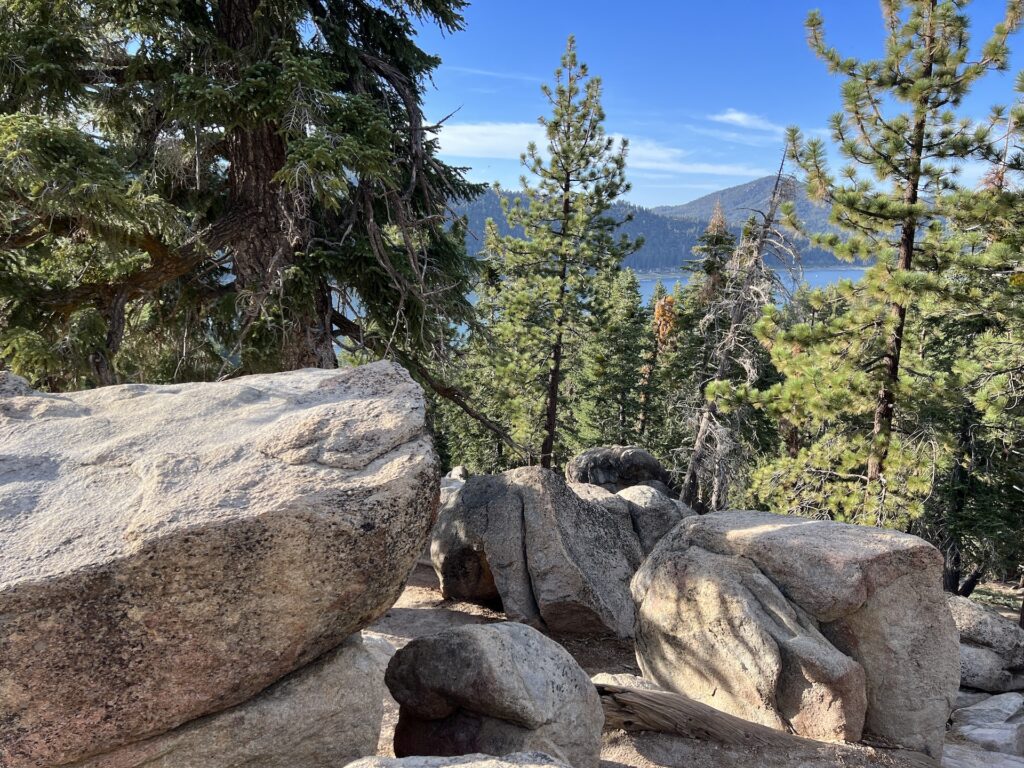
{"x": 653, "y": 513}
{"x": 991, "y": 647}
{"x": 497, "y": 689}
{"x": 552, "y": 560}
{"x": 995, "y": 724}
{"x": 322, "y": 716}
{"x": 616, "y": 467}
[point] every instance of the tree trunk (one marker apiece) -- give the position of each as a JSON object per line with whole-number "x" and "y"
{"x": 547, "y": 448}
{"x": 279, "y": 227}
{"x": 102, "y": 360}
{"x": 960, "y": 482}
{"x": 886, "y": 406}
{"x": 952, "y": 567}
{"x": 972, "y": 581}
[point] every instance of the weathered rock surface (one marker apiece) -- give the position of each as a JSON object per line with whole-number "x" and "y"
{"x": 624, "y": 680}
{"x": 965, "y": 697}
{"x": 13, "y": 386}
{"x": 497, "y": 689}
{"x": 713, "y": 624}
{"x": 995, "y": 724}
{"x": 169, "y": 552}
{"x": 991, "y": 647}
{"x": 551, "y": 558}
{"x": 654, "y": 514}
{"x": 716, "y": 629}
{"x": 322, "y": 716}
{"x": 515, "y": 760}
{"x": 616, "y": 467}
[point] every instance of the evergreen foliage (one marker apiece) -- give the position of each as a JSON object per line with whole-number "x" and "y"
{"x": 879, "y": 403}
{"x": 610, "y": 391}
{"x": 188, "y": 190}
{"x": 544, "y": 287}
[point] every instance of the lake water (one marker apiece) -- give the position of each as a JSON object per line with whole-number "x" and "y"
{"x": 816, "y": 278}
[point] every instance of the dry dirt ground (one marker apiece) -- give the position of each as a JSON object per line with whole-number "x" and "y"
{"x": 422, "y": 611}
{"x": 1004, "y": 596}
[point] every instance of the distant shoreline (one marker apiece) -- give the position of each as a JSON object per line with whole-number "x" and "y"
{"x": 649, "y": 274}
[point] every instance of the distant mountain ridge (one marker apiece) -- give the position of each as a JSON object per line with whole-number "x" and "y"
{"x": 739, "y": 202}
{"x": 669, "y": 232}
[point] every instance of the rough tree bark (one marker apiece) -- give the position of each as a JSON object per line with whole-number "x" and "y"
{"x": 279, "y": 225}
{"x": 547, "y": 448}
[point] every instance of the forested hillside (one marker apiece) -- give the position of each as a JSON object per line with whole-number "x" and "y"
{"x": 671, "y": 232}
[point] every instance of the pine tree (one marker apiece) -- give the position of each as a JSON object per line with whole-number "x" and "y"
{"x": 733, "y": 282}
{"x": 846, "y": 386}
{"x": 610, "y": 388}
{"x": 191, "y": 189}
{"x": 652, "y": 395}
{"x": 549, "y": 277}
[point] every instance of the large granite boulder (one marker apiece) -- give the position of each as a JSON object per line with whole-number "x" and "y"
{"x": 167, "y": 552}
{"x": 777, "y": 618}
{"x": 496, "y": 689}
{"x": 616, "y": 467}
{"x": 991, "y": 647}
{"x": 552, "y": 559}
{"x": 516, "y": 760}
{"x": 718, "y": 630}
{"x": 321, "y": 716}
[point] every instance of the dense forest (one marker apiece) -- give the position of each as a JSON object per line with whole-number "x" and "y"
{"x": 196, "y": 192}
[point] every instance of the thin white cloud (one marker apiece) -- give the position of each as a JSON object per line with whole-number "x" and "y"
{"x": 493, "y": 73}
{"x": 748, "y": 139}
{"x": 506, "y": 141}
{"x": 748, "y": 121}
{"x": 501, "y": 141}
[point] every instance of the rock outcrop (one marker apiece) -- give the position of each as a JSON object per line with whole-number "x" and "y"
{"x": 516, "y": 760}
{"x": 168, "y": 552}
{"x": 991, "y": 647}
{"x": 805, "y": 624}
{"x": 552, "y": 559}
{"x": 616, "y": 467}
{"x": 496, "y": 689}
{"x": 322, "y": 716}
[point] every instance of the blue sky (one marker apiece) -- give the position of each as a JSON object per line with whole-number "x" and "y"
{"x": 702, "y": 88}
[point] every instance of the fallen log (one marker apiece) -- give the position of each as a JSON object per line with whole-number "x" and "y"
{"x": 665, "y": 712}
